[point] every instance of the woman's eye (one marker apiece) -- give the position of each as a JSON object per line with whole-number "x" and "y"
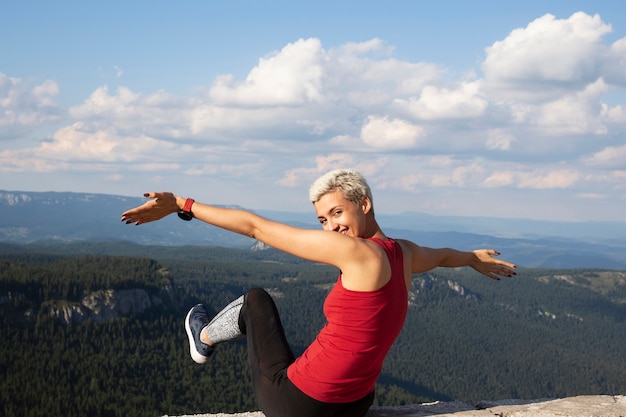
{"x": 337, "y": 213}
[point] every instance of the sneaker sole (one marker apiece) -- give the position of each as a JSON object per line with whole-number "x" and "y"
{"x": 195, "y": 355}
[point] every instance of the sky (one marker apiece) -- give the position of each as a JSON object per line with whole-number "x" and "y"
{"x": 482, "y": 108}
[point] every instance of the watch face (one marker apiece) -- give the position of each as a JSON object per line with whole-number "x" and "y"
{"x": 185, "y": 215}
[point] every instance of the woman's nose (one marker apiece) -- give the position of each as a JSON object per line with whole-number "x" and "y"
{"x": 331, "y": 226}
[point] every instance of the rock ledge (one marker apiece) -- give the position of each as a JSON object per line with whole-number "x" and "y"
{"x": 581, "y": 406}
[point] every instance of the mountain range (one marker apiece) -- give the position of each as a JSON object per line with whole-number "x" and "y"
{"x": 29, "y": 217}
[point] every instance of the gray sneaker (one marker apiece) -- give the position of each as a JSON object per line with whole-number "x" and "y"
{"x": 196, "y": 320}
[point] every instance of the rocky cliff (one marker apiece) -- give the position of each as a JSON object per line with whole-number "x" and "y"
{"x": 102, "y": 305}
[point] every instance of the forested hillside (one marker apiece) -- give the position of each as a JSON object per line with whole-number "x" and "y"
{"x": 546, "y": 333}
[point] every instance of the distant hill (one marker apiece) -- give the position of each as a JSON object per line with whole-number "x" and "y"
{"x": 27, "y": 217}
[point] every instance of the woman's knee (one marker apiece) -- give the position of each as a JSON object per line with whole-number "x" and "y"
{"x": 256, "y": 303}
{"x": 256, "y": 295}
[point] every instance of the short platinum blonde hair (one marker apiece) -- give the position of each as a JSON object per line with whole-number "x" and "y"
{"x": 351, "y": 183}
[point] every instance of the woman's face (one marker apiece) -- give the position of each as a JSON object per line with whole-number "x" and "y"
{"x": 338, "y": 214}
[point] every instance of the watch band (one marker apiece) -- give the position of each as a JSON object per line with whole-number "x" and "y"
{"x": 188, "y": 203}
{"x": 185, "y": 213}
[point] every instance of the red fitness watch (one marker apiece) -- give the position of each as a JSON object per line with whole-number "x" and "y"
{"x": 185, "y": 213}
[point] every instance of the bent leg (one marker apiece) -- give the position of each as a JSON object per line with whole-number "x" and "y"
{"x": 268, "y": 350}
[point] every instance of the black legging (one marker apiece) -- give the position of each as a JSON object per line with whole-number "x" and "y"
{"x": 269, "y": 355}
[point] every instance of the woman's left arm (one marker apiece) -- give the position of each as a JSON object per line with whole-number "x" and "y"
{"x": 484, "y": 260}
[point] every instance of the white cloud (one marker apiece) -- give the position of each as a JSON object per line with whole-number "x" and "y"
{"x": 383, "y": 133}
{"x": 413, "y": 182}
{"x": 368, "y": 74}
{"x": 323, "y": 163}
{"x": 467, "y": 174}
{"x": 591, "y": 196}
{"x": 548, "y": 180}
{"x": 552, "y": 75}
{"x": 614, "y": 68}
{"x": 548, "y": 50}
{"x": 344, "y": 141}
{"x": 609, "y": 157}
{"x": 291, "y": 76}
{"x": 437, "y": 103}
{"x": 370, "y": 166}
{"x": 500, "y": 179}
{"x": 616, "y": 114}
{"x": 333, "y": 161}
{"x": 521, "y": 176}
{"x": 77, "y": 147}
{"x": 619, "y": 176}
{"x": 304, "y": 89}
{"x": 576, "y": 113}
{"x": 158, "y": 113}
{"x": 499, "y": 139}
{"x": 24, "y": 107}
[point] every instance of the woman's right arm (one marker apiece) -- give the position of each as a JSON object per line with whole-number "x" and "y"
{"x": 314, "y": 245}
{"x": 164, "y": 204}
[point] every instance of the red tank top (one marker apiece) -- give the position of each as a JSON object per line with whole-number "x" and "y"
{"x": 346, "y": 358}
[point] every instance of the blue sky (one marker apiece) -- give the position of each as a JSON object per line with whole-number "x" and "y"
{"x": 483, "y": 108}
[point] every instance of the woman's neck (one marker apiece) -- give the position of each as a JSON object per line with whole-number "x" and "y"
{"x": 373, "y": 230}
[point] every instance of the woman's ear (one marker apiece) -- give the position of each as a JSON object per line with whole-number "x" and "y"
{"x": 366, "y": 205}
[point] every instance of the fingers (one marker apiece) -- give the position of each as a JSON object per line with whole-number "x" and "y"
{"x": 492, "y": 253}
{"x": 495, "y": 268}
{"x": 134, "y": 215}
{"x": 129, "y": 218}
{"x": 158, "y": 195}
{"x": 505, "y": 272}
{"x": 159, "y": 206}
{"x": 485, "y": 254}
{"x": 136, "y": 220}
{"x": 508, "y": 265}
{"x": 505, "y": 264}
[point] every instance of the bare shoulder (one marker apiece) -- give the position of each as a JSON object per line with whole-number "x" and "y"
{"x": 410, "y": 254}
{"x": 344, "y": 252}
{"x": 409, "y": 249}
{"x": 367, "y": 252}
{"x": 368, "y": 269}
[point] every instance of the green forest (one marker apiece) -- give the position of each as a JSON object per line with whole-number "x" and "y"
{"x": 545, "y": 333}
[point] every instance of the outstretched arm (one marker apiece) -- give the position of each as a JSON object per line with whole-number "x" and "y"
{"x": 484, "y": 260}
{"x": 314, "y": 245}
{"x": 164, "y": 204}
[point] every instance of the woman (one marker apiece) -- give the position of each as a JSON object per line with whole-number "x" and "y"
{"x": 365, "y": 310}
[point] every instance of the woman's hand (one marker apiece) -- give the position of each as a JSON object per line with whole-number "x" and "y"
{"x": 161, "y": 205}
{"x": 486, "y": 264}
